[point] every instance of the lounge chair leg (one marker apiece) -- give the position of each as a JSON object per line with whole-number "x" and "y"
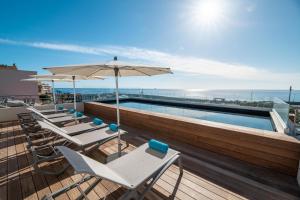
{"x": 180, "y": 165}
{"x": 158, "y": 175}
{"x": 67, "y": 188}
{"x": 84, "y": 193}
{"x": 178, "y": 179}
{"x": 126, "y": 146}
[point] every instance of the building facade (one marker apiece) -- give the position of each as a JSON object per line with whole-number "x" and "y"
{"x": 12, "y": 86}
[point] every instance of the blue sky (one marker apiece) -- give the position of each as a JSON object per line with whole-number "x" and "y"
{"x": 209, "y": 44}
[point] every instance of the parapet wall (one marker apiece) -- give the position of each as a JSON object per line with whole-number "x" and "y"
{"x": 263, "y": 148}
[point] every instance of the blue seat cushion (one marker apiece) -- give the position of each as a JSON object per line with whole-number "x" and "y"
{"x": 78, "y": 114}
{"x": 72, "y": 110}
{"x": 113, "y": 127}
{"x": 158, "y": 146}
{"x": 97, "y": 121}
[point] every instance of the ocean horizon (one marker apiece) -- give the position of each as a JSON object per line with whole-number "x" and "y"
{"x": 229, "y": 94}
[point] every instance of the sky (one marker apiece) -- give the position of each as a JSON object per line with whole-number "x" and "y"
{"x": 208, "y": 44}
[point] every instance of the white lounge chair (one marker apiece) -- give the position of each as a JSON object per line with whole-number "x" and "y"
{"x": 131, "y": 171}
{"x": 55, "y": 115}
{"x": 50, "y": 111}
{"x": 57, "y": 120}
{"x": 31, "y": 128}
{"x": 84, "y": 142}
{"x": 82, "y": 127}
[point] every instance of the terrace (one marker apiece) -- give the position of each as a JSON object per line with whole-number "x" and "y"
{"x": 210, "y": 172}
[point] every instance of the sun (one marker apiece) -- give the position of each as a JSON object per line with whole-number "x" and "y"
{"x": 208, "y": 13}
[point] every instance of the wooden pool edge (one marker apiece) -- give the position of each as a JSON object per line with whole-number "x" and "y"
{"x": 264, "y": 148}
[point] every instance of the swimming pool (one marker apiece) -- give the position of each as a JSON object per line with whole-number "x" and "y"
{"x": 257, "y": 122}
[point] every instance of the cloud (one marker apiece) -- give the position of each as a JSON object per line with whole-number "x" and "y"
{"x": 188, "y": 64}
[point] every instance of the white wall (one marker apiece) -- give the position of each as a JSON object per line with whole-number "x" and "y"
{"x": 11, "y": 84}
{"x": 10, "y": 114}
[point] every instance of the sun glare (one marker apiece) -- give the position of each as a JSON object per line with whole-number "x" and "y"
{"x": 208, "y": 13}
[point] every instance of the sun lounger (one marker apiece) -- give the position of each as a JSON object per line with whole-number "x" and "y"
{"x": 79, "y": 128}
{"x": 58, "y": 119}
{"x": 83, "y": 142}
{"x": 131, "y": 171}
{"x": 31, "y": 128}
{"x": 50, "y": 111}
{"x": 55, "y": 115}
{"x": 86, "y": 138}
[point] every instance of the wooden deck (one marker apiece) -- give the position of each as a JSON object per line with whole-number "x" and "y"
{"x": 206, "y": 174}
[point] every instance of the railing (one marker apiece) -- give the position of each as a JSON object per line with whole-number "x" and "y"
{"x": 18, "y": 100}
{"x": 68, "y": 98}
{"x": 281, "y": 112}
{"x": 262, "y": 103}
{"x": 282, "y": 109}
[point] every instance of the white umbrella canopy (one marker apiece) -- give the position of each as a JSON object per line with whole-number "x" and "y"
{"x": 113, "y": 68}
{"x": 49, "y": 78}
{"x": 110, "y": 69}
{"x": 62, "y": 78}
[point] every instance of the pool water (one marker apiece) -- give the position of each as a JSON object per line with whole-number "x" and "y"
{"x": 227, "y": 118}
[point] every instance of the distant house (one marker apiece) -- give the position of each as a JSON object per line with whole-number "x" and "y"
{"x": 44, "y": 88}
{"x": 11, "y": 85}
{"x": 8, "y": 67}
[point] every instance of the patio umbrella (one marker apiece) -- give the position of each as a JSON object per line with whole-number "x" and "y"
{"x": 63, "y": 77}
{"x": 48, "y": 78}
{"x": 79, "y": 77}
{"x": 113, "y": 68}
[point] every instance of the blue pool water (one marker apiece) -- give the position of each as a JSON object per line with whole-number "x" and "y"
{"x": 227, "y": 118}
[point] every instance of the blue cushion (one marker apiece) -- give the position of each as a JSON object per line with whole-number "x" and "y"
{"x": 158, "y": 146}
{"x": 78, "y": 114}
{"x": 60, "y": 107}
{"x": 71, "y": 110}
{"x": 113, "y": 127}
{"x": 97, "y": 121}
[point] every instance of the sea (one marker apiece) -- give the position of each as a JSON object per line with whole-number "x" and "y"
{"x": 246, "y": 95}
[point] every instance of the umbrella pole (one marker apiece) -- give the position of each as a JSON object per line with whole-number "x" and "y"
{"x": 118, "y": 111}
{"x": 53, "y": 95}
{"x": 74, "y": 93}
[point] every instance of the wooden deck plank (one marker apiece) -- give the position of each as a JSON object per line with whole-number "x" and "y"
{"x": 187, "y": 176}
{"x": 45, "y": 184}
{"x": 28, "y": 190}
{"x": 41, "y": 185}
{"x": 29, "y": 180}
{"x": 13, "y": 178}
{"x": 55, "y": 184}
{"x": 84, "y": 186}
{"x": 66, "y": 180}
{"x": 17, "y": 175}
{"x": 3, "y": 163}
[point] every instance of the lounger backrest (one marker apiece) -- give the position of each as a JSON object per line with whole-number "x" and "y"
{"x": 84, "y": 164}
{"x": 47, "y": 125}
{"x": 130, "y": 170}
{"x": 56, "y": 127}
{"x": 37, "y": 112}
